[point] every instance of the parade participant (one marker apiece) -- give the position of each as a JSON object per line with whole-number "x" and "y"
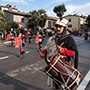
{"x": 30, "y": 35}
{"x": 12, "y": 36}
{"x": 40, "y": 34}
{"x": 64, "y": 45}
{"x": 21, "y": 34}
{"x": 21, "y": 47}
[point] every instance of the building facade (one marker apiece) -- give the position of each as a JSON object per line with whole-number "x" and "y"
{"x": 14, "y": 15}
{"x": 50, "y": 22}
{"x": 75, "y": 21}
{"x": 8, "y": 7}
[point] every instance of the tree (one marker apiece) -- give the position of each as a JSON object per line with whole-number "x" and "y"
{"x": 2, "y": 20}
{"x": 42, "y": 17}
{"x": 59, "y": 10}
{"x": 2, "y": 17}
{"x": 88, "y": 21}
{"x": 85, "y": 27}
{"x": 38, "y": 18}
{"x": 14, "y": 24}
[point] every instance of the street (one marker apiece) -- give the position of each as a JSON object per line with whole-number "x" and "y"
{"x": 27, "y": 72}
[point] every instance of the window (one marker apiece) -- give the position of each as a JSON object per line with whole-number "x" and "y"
{"x": 49, "y": 23}
{"x": 53, "y": 23}
{"x": 70, "y": 20}
{"x": 70, "y": 26}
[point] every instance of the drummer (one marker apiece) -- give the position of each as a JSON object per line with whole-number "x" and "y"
{"x": 64, "y": 45}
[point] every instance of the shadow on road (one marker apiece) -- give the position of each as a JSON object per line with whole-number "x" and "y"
{"x": 17, "y": 84}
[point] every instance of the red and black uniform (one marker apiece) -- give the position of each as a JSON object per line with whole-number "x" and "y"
{"x": 30, "y": 36}
{"x": 21, "y": 47}
{"x": 12, "y": 37}
{"x": 41, "y": 39}
{"x": 22, "y": 35}
{"x": 69, "y": 47}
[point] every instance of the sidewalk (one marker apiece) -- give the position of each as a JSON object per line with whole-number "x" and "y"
{"x": 4, "y": 42}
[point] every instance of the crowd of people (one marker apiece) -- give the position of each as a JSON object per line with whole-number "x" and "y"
{"x": 25, "y": 35}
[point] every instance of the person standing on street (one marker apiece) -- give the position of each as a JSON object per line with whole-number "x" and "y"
{"x": 12, "y": 36}
{"x": 41, "y": 38}
{"x": 22, "y": 35}
{"x": 62, "y": 44}
{"x": 30, "y": 35}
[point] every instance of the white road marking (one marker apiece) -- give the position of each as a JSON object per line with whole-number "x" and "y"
{"x": 33, "y": 68}
{"x": 7, "y": 42}
{"x": 5, "y": 57}
{"x": 85, "y": 81}
{"x": 27, "y": 52}
{"x": 1, "y": 45}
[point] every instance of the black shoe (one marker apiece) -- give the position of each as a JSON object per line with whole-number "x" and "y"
{"x": 11, "y": 44}
{"x": 22, "y": 52}
{"x": 19, "y": 55}
{"x": 29, "y": 42}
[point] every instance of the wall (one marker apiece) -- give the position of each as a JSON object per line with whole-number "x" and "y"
{"x": 75, "y": 22}
{"x": 9, "y": 16}
{"x": 17, "y": 18}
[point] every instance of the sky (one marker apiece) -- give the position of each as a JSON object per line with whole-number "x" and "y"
{"x": 73, "y": 6}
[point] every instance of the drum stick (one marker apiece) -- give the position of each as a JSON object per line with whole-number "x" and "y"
{"x": 62, "y": 43}
{"x": 40, "y": 52}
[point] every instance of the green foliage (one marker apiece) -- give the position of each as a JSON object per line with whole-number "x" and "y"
{"x": 59, "y": 10}
{"x": 85, "y": 27}
{"x": 2, "y": 17}
{"x": 14, "y": 24}
{"x": 88, "y": 21}
{"x": 8, "y": 26}
{"x": 38, "y": 18}
{"x": 3, "y": 22}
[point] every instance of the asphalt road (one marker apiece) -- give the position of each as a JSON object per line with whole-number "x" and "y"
{"x": 27, "y": 72}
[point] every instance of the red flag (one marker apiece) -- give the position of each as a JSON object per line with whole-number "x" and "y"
{"x": 8, "y": 37}
{"x": 27, "y": 35}
{"x": 18, "y": 42}
{"x": 37, "y": 39}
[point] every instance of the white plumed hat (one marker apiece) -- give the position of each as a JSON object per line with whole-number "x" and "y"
{"x": 62, "y": 22}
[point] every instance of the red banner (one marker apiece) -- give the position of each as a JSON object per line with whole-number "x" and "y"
{"x": 27, "y": 35}
{"x": 18, "y": 42}
{"x": 37, "y": 39}
{"x": 8, "y": 37}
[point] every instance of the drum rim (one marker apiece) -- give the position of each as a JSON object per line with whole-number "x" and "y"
{"x": 51, "y": 59}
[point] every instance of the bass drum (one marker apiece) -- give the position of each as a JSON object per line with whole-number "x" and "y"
{"x": 64, "y": 75}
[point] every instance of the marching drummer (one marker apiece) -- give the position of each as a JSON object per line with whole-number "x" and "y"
{"x": 62, "y": 44}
